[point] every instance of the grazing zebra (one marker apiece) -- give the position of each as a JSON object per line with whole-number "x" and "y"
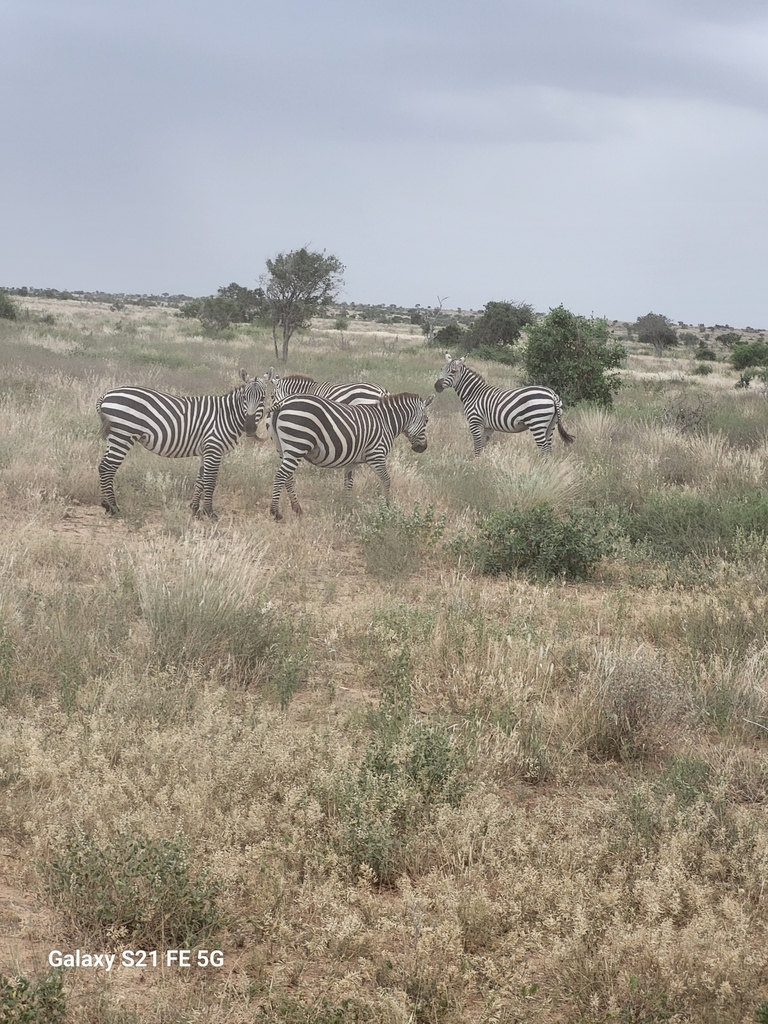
{"x": 205, "y": 425}
{"x": 488, "y": 408}
{"x": 329, "y": 434}
{"x": 346, "y": 394}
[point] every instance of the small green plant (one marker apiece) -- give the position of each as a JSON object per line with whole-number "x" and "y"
{"x": 409, "y": 768}
{"x": 540, "y": 543}
{"x": 703, "y": 369}
{"x": 33, "y": 1002}
{"x": 394, "y": 541}
{"x": 761, "y": 1013}
{"x": 136, "y": 888}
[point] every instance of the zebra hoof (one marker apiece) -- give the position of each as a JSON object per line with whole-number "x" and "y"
{"x": 276, "y": 516}
{"x": 112, "y": 510}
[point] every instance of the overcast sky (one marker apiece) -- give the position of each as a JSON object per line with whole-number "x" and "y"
{"x": 611, "y": 155}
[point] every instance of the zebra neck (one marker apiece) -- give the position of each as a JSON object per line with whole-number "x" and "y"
{"x": 469, "y": 384}
{"x": 394, "y": 415}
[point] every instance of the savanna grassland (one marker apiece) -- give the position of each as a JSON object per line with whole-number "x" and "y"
{"x": 388, "y": 787}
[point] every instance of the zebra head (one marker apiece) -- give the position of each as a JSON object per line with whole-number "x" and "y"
{"x": 291, "y": 384}
{"x": 416, "y": 427}
{"x": 449, "y": 373}
{"x": 253, "y": 396}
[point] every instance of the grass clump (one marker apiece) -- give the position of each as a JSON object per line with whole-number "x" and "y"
{"x": 33, "y": 1002}
{"x": 628, "y": 706}
{"x": 539, "y": 543}
{"x": 214, "y": 617}
{"x": 134, "y": 888}
{"x": 679, "y": 524}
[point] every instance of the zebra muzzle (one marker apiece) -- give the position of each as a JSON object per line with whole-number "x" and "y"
{"x": 250, "y": 426}
{"x": 419, "y": 448}
{"x": 439, "y": 386}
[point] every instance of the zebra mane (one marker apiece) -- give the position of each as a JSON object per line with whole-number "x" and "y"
{"x": 298, "y": 376}
{"x": 388, "y": 399}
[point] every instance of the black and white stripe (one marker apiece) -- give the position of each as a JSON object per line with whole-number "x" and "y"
{"x": 346, "y": 394}
{"x": 204, "y": 425}
{"x": 332, "y": 435}
{"x": 488, "y": 408}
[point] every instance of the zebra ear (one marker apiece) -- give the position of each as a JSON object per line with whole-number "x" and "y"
{"x": 429, "y": 401}
{"x": 448, "y": 357}
{"x": 243, "y": 374}
{"x": 271, "y": 373}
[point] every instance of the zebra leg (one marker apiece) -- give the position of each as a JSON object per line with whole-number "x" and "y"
{"x": 543, "y": 437}
{"x": 210, "y": 471}
{"x": 284, "y": 478}
{"x": 379, "y": 467}
{"x": 348, "y": 475}
{"x": 480, "y": 435}
{"x": 118, "y": 447}
{"x": 197, "y": 490}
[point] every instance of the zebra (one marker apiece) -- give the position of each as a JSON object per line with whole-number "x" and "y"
{"x": 345, "y": 394}
{"x": 487, "y": 408}
{"x": 330, "y": 434}
{"x": 205, "y": 425}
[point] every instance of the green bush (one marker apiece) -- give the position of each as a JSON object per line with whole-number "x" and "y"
{"x": 410, "y": 768}
{"x": 8, "y": 308}
{"x": 705, "y": 353}
{"x": 571, "y": 355}
{"x": 702, "y": 369}
{"x": 136, "y": 887}
{"x": 753, "y": 354}
{"x": 33, "y": 1002}
{"x": 540, "y": 543}
{"x": 394, "y": 541}
{"x": 498, "y": 327}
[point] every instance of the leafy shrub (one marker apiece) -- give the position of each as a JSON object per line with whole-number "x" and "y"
{"x": 729, "y": 338}
{"x": 755, "y": 353}
{"x": 136, "y": 888}
{"x": 702, "y": 369}
{"x": 394, "y": 541}
{"x": 410, "y": 767}
{"x": 540, "y": 543}
{"x": 571, "y": 355}
{"x": 449, "y": 338}
{"x": 705, "y": 353}
{"x": 8, "y": 308}
{"x": 498, "y": 327}
{"x": 33, "y": 1002}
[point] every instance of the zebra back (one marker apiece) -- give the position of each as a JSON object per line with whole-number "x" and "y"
{"x": 346, "y": 394}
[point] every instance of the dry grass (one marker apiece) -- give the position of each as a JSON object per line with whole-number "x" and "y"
{"x": 419, "y": 795}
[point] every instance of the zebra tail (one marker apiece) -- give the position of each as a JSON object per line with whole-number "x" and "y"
{"x": 567, "y": 438}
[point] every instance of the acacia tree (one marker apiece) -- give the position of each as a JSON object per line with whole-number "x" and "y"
{"x": 570, "y": 354}
{"x": 655, "y": 329}
{"x": 298, "y": 286}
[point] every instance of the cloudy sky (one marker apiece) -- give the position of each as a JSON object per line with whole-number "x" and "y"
{"x": 611, "y": 155}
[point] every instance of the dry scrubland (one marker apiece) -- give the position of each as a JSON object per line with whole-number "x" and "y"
{"x": 389, "y": 788}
